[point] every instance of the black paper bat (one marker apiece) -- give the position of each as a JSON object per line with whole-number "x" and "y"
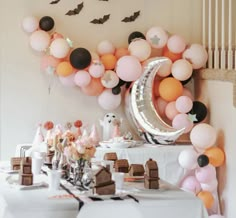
{"x": 101, "y": 20}
{"x": 132, "y": 17}
{"x": 76, "y": 10}
{"x": 54, "y": 2}
{"x": 104, "y": 0}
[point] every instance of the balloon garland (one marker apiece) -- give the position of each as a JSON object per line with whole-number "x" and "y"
{"x": 110, "y": 70}
{"x": 104, "y": 74}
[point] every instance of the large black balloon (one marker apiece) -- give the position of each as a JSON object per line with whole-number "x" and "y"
{"x": 200, "y": 110}
{"x": 135, "y": 35}
{"x": 80, "y": 58}
{"x": 46, "y": 23}
{"x": 202, "y": 160}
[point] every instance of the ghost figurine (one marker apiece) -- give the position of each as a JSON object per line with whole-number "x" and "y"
{"x": 108, "y": 125}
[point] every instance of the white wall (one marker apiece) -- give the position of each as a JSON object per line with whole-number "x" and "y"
{"x": 25, "y": 100}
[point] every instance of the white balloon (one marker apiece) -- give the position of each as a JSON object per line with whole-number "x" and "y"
{"x": 188, "y": 159}
{"x": 30, "y": 24}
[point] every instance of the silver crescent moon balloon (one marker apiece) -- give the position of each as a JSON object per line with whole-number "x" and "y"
{"x": 141, "y": 112}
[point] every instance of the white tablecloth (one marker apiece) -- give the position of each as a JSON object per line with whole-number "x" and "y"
{"x": 165, "y": 155}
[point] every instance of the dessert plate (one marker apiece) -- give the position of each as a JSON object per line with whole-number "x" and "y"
{"x": 122, "y": 144}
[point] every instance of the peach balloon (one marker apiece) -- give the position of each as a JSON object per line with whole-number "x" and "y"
{"x": 216, "y": 156}
{"x": 48, "y": 61}
{"x": 109, "y": 61}
{"x": 120, "y": 52}
{"x": 64, "y": 68}
{"x": 207, "y": 198}
{"x": 172, "y": 56}
{"x": 170, "y": 89}
{"x": 170, "y": 110}
{"x": 94, "y": 88}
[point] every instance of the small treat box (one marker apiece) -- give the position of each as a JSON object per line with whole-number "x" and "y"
{"x": 122, "y": 165}
{"x": 136, "y": 170}
{"x": 110, "y": 156}
{"x": 15, "y": 163}
{"x": 151, "y": 176}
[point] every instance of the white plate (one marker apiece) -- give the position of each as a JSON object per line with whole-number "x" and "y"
{"x": 123, "y": 144}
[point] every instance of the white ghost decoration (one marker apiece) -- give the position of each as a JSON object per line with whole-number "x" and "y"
{"x": 108, "y": 125}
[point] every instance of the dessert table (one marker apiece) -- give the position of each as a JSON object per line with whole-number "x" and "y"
{"x": 165, "y": 155}
{"x": 132, "y": 201}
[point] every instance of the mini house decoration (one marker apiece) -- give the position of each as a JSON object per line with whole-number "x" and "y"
{"x": 110, "y": 156}
{"x": 122, "y": 165}
{"x": 25, "y": 174}
{"x": 151, "y": 176}
{"x": 136, "y": 170}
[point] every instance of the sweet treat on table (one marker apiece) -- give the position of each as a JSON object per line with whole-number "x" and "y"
{"x": 136, "y": 170}
{"x": 15, "y": 163}
{"x": 110, "y": 156}
{"x": 122, "y": 165}
{"x": 151, "y": 176}
{"x": 25, "y": 174}
{"x": 103, "y": 184}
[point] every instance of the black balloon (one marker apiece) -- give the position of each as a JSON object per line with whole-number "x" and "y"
{"x": 203, "y": 160}
{"x": 135, "y": 35}
{"x": 80, "y": 58}
{"x": 200, "y": 110}
{"x": 46, "y": 23}
{"x": 184, "y": 82}
{"x": 121, "y": 82}
{"x": 116, "y": 90}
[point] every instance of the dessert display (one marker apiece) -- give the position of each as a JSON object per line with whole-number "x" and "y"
{"x": 122, "y": 165}
{"x": 136, "y": 170}
{"x": 151, "y": 176}
{"x": 103, "y": 184}
{"x": 25, "y": 174}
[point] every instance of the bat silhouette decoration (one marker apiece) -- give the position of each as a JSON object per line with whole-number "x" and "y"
{"x": 104, "y": 0}
{"x": 101, "y": 20}
{"x": 132, "y": 17}
{"x": 54, "y": 2}
{"x": 76, "y": 10}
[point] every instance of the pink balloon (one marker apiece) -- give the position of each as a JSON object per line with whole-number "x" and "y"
{"x": 110, "y": 79}
{"x": 205, "y": 174}
{"x": 67, "y": 81}
{"x": 183, "y": 104}
{"x": 210, "y": 186}
{"x": 56, "y": 36}
{"x": 59, "y": 48}
{"x": 39, "y": 40}
{"x": 157, "y": 37}
{"x": 105, "y": 47}
{"x": 160, "y": 105}
{"x": 176, "y": 44}
{"x": 181, "y": 69}
{"x": 182, "y": 121}
{"x": 140, "y": 48}
{"x": 191, "y": 184}
{"x": 128, "y": 68}
{"x": 188, "y": 159}
{"x": 96, "y": 69}
{"x": 30, "y": 24}
{"x": 82, "y": 78}
{"x": 108, "y": 101}
{"x": 203, "y": 136}
{"x": 171, "y": 110}
{"x": 48, "y": 62}
{"x": 197, "y": 55}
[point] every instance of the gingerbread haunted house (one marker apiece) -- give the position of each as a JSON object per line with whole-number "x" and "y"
{"x": 151, "y": 176}
{"x": 136, "y": 170}
{"x": 110, "y": 156}
{"x": 122, "y": 165}
{"x": 25, "y": 174}
{"x": 104, "y": 185}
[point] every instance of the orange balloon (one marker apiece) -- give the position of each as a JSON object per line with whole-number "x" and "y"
{"x": 170, "y": 89}
{"x": 173, "y": 56}
{"x": 94, "y": 88}
{"x": 216, "y": 156}
{"x": 64, "y": 68}
{"x": 207, "y": 198}
{"x": 120, "y": 52}
{"x": 109, "y": 61}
